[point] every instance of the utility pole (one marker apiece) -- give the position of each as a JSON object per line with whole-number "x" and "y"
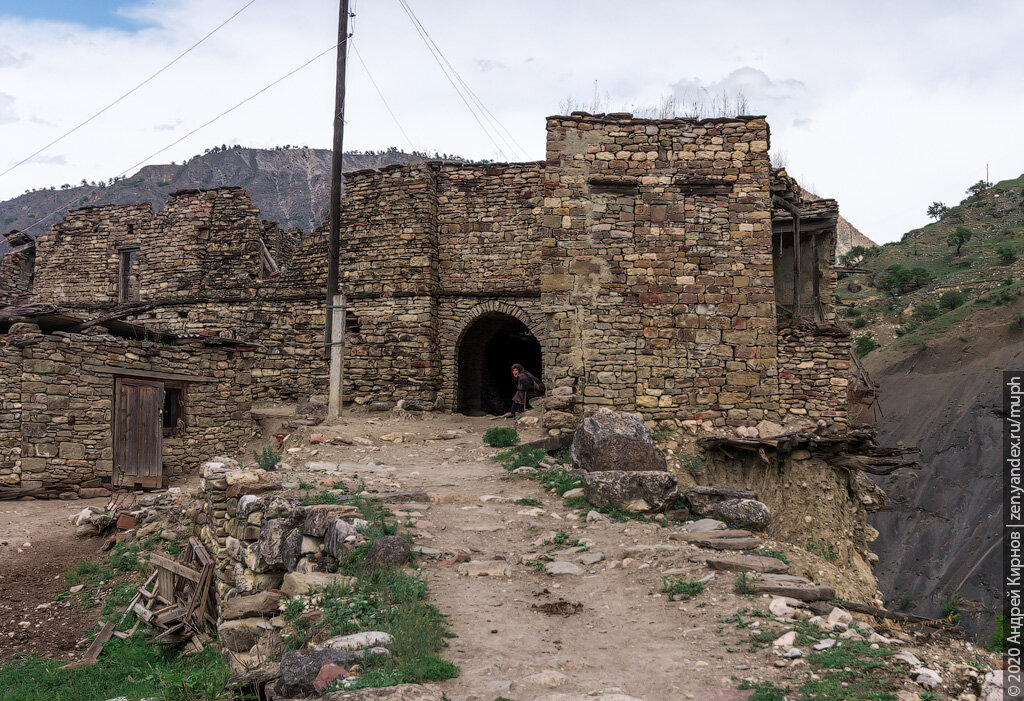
{"x": 335, "y": 319}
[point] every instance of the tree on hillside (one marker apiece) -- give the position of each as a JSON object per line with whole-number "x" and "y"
{"x": 937, "y": 210}
{"x": 854, "y": 257}
{"x": 898, "y": 280}
{"x": 959, "y": 237}
{"x": 978, "y": 187}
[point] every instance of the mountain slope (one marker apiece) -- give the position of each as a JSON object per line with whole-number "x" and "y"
{"x": 289, "y": 185}
{"x": 947, "y": 326}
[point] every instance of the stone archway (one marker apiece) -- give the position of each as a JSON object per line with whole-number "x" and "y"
{"x": 486, "y": 350}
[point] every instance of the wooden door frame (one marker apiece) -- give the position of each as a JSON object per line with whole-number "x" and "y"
{"x": 155, "y": 481}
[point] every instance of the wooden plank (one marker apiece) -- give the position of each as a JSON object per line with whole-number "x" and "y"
{"x": 200, "y": 551}
{"x": 142, "y": 612}
{"x": 93, "y": 653}
{"x": 171, "y": 613}
{"x": 129, "y": 373}
{"x": 175, "y": 567}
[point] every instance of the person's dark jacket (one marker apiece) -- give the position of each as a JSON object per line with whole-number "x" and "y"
{"x": 526, "y": 383}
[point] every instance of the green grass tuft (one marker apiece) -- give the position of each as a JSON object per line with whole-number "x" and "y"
{"x": 501, "y": 437}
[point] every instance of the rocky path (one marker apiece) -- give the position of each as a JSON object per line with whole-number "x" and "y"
{"x": 602, "y": 628}
{"x": 547, "y": 604}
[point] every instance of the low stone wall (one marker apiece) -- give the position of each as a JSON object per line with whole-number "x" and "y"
{"x": 65, "y": 390}
{"x": 10, "y": 414}
{"x": 814, "y": 370}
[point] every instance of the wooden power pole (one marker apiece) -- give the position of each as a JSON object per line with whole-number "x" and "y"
{"x": 335, "y": 318}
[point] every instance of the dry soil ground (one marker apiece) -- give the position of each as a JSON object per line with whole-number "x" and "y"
{"x": 625, "y": 640}
{"x": 37, "y": 546}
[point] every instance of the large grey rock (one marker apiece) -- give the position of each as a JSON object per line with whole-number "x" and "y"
{"x": 291, "y": 549}
{"x": 745, "y": 513}
{"x": 612, "y": 440}
{"x": 630, "y": 491}
{"x": 703, "y": 498}
{"x": 300, "y": 667}
{"x": 389, "y": 551}
{"x": 271, "y": 540}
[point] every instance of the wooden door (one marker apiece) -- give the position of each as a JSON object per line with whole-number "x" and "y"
{"x": 138, "y": 430}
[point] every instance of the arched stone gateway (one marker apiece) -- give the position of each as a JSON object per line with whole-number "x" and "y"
{"x": 486, "y": 350}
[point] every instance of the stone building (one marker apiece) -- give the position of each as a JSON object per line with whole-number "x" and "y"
{"x": 84, "y": 403}
{"x": 656, "y": 266}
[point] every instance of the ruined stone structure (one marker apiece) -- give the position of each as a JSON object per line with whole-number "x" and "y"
{"x": 204, "y": 264}
{"x": 648, "y": 265}
{"x": 59, "y": 394}
{"x": 655, "y": 266}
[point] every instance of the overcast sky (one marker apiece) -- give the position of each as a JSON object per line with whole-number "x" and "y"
{"x": 885, "y": 106}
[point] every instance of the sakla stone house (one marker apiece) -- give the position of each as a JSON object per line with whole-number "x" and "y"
{"x": 85, "y": 403}
{"x": 656, "y": 266}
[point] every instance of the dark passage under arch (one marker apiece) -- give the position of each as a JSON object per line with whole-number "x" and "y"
{"x": 489, "y": 347}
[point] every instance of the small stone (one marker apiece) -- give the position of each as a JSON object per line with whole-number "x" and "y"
{"x": 548, "y": 678}
{"x": 559, "y": 568}
{"x": 928, "y": 678}
{"x": 358, "y": 641}
{"x": 785, "y": 640}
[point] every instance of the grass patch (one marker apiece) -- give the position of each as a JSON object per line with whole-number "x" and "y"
{"x": 528, "y": 501}
{"x": 777, "y": 554}
{"x": 501, "y": 437}
{"x": 524, "y": 456}
{"x": 134, "y": 668}
{"x": 826, "y": 551}
{"x": 681, "y": 589}
{"x": 693, "y": 463}
{"x": 395, "y": 602}
{"x": 323, "y": 496}
{"x": 744, "y": 584}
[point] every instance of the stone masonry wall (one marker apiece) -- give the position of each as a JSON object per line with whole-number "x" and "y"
{"x": 67, "y": 397}
{"x": 10, "y": 414}
{"x": 657, "y": 267}
{"x": 199, "y": 272}
{"x": 814, "y": 370}
{"x": 15, "y": 278}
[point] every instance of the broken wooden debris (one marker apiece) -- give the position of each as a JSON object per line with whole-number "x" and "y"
{"x": 178, "y": 599}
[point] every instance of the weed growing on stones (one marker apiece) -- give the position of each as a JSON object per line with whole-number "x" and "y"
{"x": 681, "y": 589}
{"x": 501, "y": 437}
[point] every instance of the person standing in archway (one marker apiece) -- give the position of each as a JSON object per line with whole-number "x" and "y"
{"x": 526, "y": 383}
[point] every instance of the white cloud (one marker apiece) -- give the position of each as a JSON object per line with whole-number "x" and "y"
{"x": 7, "y": 114}
{"x": 918, "y": 94}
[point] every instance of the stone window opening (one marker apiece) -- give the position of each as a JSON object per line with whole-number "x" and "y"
{"x": 174, "y": 409}
{"x": 489, "y": 347}
{"x": 352, "y": 327}
{"x": 128, "y": 274}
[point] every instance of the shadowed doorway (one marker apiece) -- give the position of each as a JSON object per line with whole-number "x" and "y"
{"x": 489, "y": 347}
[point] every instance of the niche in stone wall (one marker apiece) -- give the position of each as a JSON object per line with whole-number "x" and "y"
{"x": 489, "y": 347}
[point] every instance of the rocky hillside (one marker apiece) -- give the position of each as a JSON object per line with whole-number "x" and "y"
{"x": 289, "y": 185}
{"x": 936, "y": 328}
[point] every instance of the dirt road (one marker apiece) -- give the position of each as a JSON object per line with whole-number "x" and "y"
{"x": 626, "y": 638}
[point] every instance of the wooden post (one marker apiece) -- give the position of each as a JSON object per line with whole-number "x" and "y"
{"x": 336, "y": 392}
{"x": 332, "y": 332}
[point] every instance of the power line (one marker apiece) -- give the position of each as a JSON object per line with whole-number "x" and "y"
{"x": 511, "y": 140}
{"x": 455, "y": 85}
{"x": 381, "y": 95}
{"x": 179, "y": 140}
{"x": 82, "y": 124}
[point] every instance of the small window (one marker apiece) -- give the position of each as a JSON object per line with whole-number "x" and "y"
{"x": 174, "y": 411}
{"x": 128, "y": 275}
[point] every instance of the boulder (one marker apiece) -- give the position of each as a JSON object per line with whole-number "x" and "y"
{"x": 745, "y": 513}
{"x": 335, "y": 535}
{"x": 742, "y": 563}
{"x": 389, "y": 551}
{"x": 303, "y": 584}
{"x": 299, "y": 669}
{"x": 703, "y": 498}
{"x": 262, "y": 604}
{"x": 630, "y": 491}
{"x": 615, "y": 441}
{"x": 249, "y": 582}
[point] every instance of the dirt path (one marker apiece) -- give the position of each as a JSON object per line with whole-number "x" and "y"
{"x": 627, "y": 639}
{"x": 37, "y": 546}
